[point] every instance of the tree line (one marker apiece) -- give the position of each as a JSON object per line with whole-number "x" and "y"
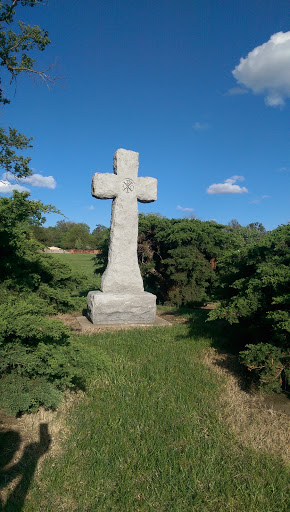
{"x": 70, "y": 235}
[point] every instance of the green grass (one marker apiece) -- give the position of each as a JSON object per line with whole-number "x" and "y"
{"x": 81, "y": 262}
{"x": 149, "y": 436}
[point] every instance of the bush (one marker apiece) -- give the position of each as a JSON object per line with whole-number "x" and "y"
{"x": 22, "y": 394}
{"x": 254, "y": 292}
{"x": 38, "y": 360}
{"x": 270, "y": 364}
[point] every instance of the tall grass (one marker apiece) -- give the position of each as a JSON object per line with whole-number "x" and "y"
{"x": 149, "y": 436}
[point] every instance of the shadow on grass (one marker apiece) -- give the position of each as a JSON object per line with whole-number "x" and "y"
{"x": 23, "y": 470}
{"x": 228, "y": 340}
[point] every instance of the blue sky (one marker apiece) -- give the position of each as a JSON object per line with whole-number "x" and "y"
{"x": 156, "y": 76}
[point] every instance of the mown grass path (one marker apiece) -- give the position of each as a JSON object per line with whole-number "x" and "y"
{"x": 149, "y": 436}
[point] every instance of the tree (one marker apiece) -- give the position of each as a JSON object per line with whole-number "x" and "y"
{"x": 17, "y": 40}
{"x": 45, "y": 236}
{"x": 61, "y": 228}
{"x": 175, "y": 255}
{"x": 77, "y": 237}
{"x": 99, "y": 234}
{"x": 234, "y": 224}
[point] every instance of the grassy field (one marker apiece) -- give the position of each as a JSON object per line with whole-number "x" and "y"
{"x": 84, "y": 263}
{"x": 150, "y": 433}
{"x": 149, "y": 436}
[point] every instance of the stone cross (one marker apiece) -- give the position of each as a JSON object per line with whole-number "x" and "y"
{"x": 122, "y": 278}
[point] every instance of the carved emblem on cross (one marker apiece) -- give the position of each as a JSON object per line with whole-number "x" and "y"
{"x": 128, "y": 185}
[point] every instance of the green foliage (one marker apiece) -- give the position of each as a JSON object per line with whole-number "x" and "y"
{"x": 10, "y": 161}
{"x": 270, "y": 364}
{"x": 37, "y": 357}
{"x": 174, "y": 257}
{"x": 255, "y": 290}
{"x": 24, "y": 267}
{"x": 99, "y": 234}
{"x": 77, "y": 237}
{"x": 71, "y": 235}
{"x": 22, "y": 320}
{"x": 177, "y": 256}
{"x": 17, "y": 40}
{"x": 22, "y": 394}
{"x": 38, "y": 360}
{"x": 256, "y": 282}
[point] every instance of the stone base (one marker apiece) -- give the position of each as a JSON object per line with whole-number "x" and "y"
{"x": 88, "y": 328}
{"x": 119, "y": 308}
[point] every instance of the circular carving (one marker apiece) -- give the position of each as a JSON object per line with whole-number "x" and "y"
{"x": 128, "y": 185}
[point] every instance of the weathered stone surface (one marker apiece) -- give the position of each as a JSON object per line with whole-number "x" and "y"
{"x": 122, "y": 275}
{"x": 88, "y": 327}
{"x": 121, "y": 308}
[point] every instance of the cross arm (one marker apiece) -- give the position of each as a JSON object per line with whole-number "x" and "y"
{"x": 105, "y": 185}
{"x": 146, "y": 190}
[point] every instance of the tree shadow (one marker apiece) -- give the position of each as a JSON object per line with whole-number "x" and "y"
{"x": 24, "y": 468}
{"x": 228, "y": 340}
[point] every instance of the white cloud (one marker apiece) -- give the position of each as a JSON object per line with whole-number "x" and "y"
{"x": 200, "y": 127}
{"x": 37, "y": 180}
{"x": 283, "y": 169}
{"x": 6, "y": 187}
{"x": 184, "y": 209}
{"x": 236, "y": 91}
{"x": 258, "y": 200}
{"x": 266, "y": 69}
{"x": 255, "y": 201}
{"x": 228, "y": 187}
{"x": 91, "y": 207}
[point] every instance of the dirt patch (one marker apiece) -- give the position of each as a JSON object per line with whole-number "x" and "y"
{"x": 71, "y": 321}
{"x": 253, "y": 419}
{"x": 173, "y": 319}
{"x": 25, "y": 442}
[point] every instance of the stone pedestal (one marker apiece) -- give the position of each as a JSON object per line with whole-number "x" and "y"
{"x": 121, "y": 308}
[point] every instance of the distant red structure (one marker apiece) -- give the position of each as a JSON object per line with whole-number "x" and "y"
{"x": 213, "y": 263}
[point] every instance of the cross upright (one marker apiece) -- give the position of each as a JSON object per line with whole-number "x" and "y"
{"x": 122, "y": 275}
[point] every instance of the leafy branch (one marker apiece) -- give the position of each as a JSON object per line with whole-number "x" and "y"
{"x": 15, "y": 45}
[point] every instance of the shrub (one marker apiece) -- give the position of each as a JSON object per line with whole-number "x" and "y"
{"x": 270, "y": 364}
{"x": 38, "y": 360}
{"x": 255, "y": 291}
{"x": 22, "y": 394}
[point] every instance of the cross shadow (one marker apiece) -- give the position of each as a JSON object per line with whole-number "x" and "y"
{"x": 24, "y": 468}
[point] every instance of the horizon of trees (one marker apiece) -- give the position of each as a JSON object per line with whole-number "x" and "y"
{"x": 68, "y": 234}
